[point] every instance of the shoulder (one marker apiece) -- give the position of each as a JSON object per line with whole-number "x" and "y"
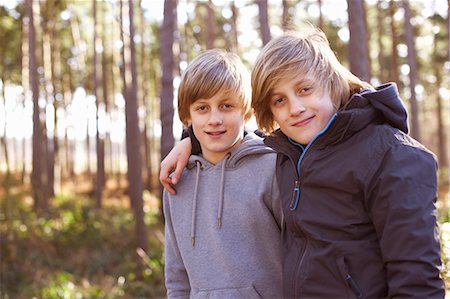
{"x": 391, "y": 150}
{"x": 390, "y": 139}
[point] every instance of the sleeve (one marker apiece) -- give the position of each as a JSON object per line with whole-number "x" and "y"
{"x": 189, "y": 132}
{"x": 177, "y": 281}
{"x": 402, "y": 205}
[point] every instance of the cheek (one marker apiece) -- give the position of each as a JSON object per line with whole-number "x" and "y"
{"x": 277, "y": 115}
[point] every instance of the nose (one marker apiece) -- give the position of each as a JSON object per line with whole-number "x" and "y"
{"x": 215, "y": 118}
{"x": 296, "y": 106}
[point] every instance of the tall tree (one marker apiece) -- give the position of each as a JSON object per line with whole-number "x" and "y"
{"x": 393, "y": 70}
{"x": 167, "y": 65}
{"x": 133, "y": 136}
{"x": 264, "y": 21}
{"x": 39, "y": 172}
{"x": 100, "y": 148}
{"x": 380, "y": 33}
{"x": 210, "y": 36}
{"x": 3, "y": 136}
{"x": 106, "y": 140}
{"x": 145, "y": 65}
{"x": 438, "y": 59}
{"x": 26, "y": 86}
{"x": 320, "y": 15}
{"x": 48, "y": 25}
{"x": 357, "y": 46}
{"x": 234, "y": 18}
{"x": 415, "y": 130}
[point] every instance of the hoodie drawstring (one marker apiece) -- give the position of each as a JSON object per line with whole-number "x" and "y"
{"x": 221, "y": 197}
{"x": 194, "y": 203}
{"x": 222, "y": 183}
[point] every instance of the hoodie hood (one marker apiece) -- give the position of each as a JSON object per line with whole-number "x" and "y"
{"x": 251, "y": 145}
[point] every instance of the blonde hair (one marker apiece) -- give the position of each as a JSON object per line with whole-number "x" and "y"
{"x": 212, "y": 72}
{"x": 292, "y": 55}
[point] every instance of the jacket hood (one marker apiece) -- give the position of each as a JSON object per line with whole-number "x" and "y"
{"x": 382, "y": 105}
{"x": 251, "y": 145}
{"x": 385, "y": 99}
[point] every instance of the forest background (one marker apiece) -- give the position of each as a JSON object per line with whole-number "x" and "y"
{"x": 87, "y": 110}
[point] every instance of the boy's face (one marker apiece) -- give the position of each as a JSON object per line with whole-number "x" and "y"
{"x": 218, "y": 124}
{"x": 301, "y": 108}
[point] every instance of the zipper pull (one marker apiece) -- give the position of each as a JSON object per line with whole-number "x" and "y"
{"x": 352, "y": 283}
{"x": 295, "y": 196}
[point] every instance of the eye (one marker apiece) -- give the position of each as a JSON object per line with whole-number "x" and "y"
{"x": 304, "y": 90}
{"x": 278, "y": 101}
{"x": 201, "y": 108}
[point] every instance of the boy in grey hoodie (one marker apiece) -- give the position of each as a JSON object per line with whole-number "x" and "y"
{"x": 222, "y": 228}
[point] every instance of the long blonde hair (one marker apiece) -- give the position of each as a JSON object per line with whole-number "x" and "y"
{"x": 292, "y": 55}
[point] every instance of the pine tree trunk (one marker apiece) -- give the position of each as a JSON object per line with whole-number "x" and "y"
{"x": 264, "y": 21}
{"x": 100, "y": 171}
{"x": 210, "y": 36}
{"x": 357, "y": 46}
{"x": 133, "y": 138}
{"x": 167, "y": 65}
{"x": 393, "y": 70}
{"x": 39, "y": 172}
{"x": 415, "y": 129}
{"x": 380, "y": 31}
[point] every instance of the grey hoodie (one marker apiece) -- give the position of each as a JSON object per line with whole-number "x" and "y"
{"x": 222, "y": 228}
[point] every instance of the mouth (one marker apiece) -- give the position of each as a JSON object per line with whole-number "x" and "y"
{"x": 215, "y": 134}
{"x": 303, "y": 122}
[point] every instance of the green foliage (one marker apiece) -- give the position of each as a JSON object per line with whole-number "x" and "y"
{"x": 10, "y": 47}
{"x": 76, "y": 251}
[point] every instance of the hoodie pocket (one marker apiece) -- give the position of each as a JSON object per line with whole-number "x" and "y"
{"x": 349, "y": 280}
{"x": 228, "y": 293}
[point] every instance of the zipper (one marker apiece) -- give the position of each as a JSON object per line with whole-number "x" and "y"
{"x": 296, "y": 192}
{"x": 295, "y": 196}
{"x": 297, "y": 268}
{"x": 353, "y": 285}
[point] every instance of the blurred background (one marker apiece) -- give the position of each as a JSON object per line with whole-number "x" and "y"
{"x": 88, "y": 108}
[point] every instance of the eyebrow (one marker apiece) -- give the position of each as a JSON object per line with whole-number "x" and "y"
{"x": 302, "y": 81}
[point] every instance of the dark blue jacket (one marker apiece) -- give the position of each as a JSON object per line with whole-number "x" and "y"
{"x": 359, "y": 206}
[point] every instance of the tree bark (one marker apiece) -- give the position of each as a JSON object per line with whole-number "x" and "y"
{"x": 320, "y": 15}
{"x": 145, "y": 91}
{"x": 380, "y": 31}
{"x": 393, "y": 71}
{"x": 440, "y": 111}
{"x": 133, "y": 138}
{"x": 357, "y": 47}
{"x": 210, "y": 36}
{"x": 167, "y": 65}
{"x": 39, "y": 172}
{"x": 409, "y": 35}
{"x": 100, "y": 171}
{"x": 235, "y": 30}
{"x": 264, "y": 21}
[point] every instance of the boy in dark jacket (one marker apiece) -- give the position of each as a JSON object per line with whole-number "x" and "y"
{"x": 358, "y": 193}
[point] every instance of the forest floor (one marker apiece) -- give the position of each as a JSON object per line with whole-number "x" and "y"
{"x": 74, "y": 250}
